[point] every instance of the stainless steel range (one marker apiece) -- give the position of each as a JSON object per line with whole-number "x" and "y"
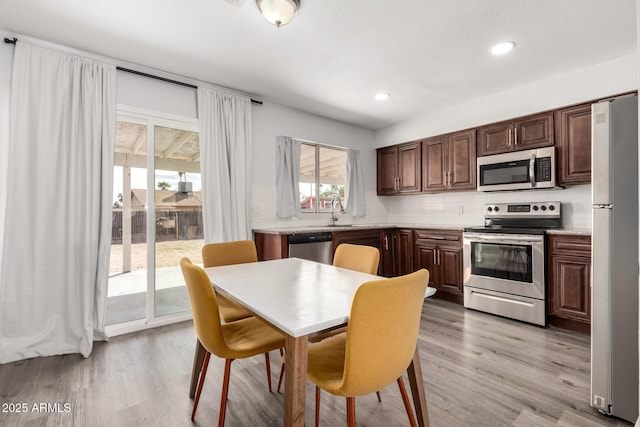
{"x": 504, "y": 261}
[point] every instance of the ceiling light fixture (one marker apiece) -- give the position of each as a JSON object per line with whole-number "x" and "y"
{"x": 382, "y": 96}
{"x": 502, "y": 48}
{"x": 278, "y": 12}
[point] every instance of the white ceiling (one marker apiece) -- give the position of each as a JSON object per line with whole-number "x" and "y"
{"x": 336, "y": 54}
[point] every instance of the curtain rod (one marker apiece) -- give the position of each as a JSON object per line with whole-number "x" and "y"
{"x": 140, "y": 73}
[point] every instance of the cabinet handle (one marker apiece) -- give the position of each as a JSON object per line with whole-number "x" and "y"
{"x": 436, "y": 237}
{"x": 438, "y": 256}
{"x": 434, "y": 257}
{"x": 509, "y": 142}
{"x": 515, "y": 132}
{"x": 386, "y": 243}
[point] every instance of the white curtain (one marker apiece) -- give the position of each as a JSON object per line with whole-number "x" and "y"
{"x": 287, "y": 177}
{"x": 356, "y": 205}
{"x": 225, "y": 156}
{"x": 55, "y": 263}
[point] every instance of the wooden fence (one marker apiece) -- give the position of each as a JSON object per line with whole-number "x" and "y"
{"x": 170, "y": 225}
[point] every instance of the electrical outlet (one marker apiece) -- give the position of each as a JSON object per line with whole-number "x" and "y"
{"x": 256, "y": 211}
{"x": 460, "y": 209}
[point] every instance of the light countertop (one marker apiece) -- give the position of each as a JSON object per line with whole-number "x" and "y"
{"x": 355, "y": 227}
{"x": 348, "y": 227}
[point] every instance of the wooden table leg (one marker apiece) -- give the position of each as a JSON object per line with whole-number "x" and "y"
{"x": 295, "y": 379}
{"x": 417, "y": 390}
{"x": 198, "y": 358}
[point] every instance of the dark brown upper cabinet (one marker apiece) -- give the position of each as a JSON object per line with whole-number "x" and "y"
{"x": 573, "y": 142}
{"x": 520, "y": 134}
{"x": 398, "y": 169}
{"x": 449, "y": 162}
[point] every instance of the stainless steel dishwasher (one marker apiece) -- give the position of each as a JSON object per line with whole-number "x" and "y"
{"x": 316, "y": 246}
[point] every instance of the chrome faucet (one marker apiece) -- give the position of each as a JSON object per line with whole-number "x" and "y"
{"x": 334, "y": 218}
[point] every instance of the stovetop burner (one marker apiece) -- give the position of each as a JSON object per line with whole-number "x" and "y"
{"x": 520, "y": 218}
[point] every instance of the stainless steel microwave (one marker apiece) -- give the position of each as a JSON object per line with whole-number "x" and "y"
{"x": 518, "y": 170}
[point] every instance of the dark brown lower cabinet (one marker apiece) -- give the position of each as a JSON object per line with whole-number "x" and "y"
{"x": 569, "y": 280}
{"x": 440, "y": 252}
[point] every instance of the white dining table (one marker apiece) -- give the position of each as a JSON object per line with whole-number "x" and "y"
{"x": 299, "y": 298}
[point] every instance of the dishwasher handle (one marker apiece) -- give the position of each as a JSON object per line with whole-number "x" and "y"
{"x": 297, "y": 238}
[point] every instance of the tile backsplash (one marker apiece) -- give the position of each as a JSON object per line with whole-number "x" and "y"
{"x": 467, "y": 208}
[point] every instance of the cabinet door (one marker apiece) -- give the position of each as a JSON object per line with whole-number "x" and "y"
{"x": 433, "y": 164}
{"x": 409, "y": 168}
{"x": 389, "y": 253}
{"x": 425, "y": 257}
{"x": 495, "y": 138}
{"x": 573, "y": 141}
{"x": 450, "y": 265}
{"x": 387, "y": 170}
{"x": 569, "y": 290}
{"x": 533, "y": 132}
{"x": 461, "y": 160}
{"x": 404, "y": 252}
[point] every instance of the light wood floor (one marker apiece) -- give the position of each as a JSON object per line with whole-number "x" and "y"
{"x": 479, "y": 370}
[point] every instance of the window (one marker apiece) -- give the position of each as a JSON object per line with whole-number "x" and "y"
{"x": 323, "y": 173}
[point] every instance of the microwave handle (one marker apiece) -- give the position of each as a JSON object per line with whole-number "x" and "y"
{"x": 532, "y": 165}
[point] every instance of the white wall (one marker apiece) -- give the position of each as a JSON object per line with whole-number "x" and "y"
{"x": 465, "y": 208}
{"x": 270, "y": 120}
{"x": 156, "y": 95}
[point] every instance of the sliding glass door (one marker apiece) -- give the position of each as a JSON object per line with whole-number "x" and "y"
{"x": 157, "y": 219}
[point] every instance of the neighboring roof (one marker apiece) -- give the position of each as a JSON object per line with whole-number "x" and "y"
{"x": 167, "y": 199}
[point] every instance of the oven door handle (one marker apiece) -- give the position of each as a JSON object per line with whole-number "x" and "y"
{"x": 508, "y": 239}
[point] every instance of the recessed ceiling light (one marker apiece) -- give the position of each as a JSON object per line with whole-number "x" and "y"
{"x": 502, "y": 48}
{"x": 382, "y": 96}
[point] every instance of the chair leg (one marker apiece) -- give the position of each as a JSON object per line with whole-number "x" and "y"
{"x": 407, "y": 405}
{"x": 203, "y": 373}
{"x": 351, "y": 411}
{"x": 266, "y": 359}
{"x": 379, "y": 398}
{"x": 281, "y": 370}
{"x": 225, "y": 392}
{"x": 281, "y": 377}
{"x": 317, "y": 406}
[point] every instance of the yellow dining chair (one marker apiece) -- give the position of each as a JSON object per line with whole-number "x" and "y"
{"x": 235, "y": 340}
{"x": 229, "y": 253}
{"x": 364, "y": 259}
{"x": 378, "y": 346}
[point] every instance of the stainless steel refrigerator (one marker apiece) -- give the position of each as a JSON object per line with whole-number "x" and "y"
{"x": 614, "y": 257}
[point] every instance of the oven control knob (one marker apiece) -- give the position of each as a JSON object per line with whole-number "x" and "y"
{"x": 535, "y": 207}
{"x": 496, "y": 209}
{"x": 552, "y": 208}
{"x": 543, "y": 207}
{"x": 490, "y": 209}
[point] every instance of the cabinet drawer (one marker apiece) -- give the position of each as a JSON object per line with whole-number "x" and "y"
{"x": 579, "y": 246}
{"x": 442, "y": 236}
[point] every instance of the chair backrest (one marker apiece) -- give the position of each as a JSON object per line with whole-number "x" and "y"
{"x": 360, "y": 258}
{"x": 227, "y": 253}
{"x": 206, "y": 317}
{"x": 382, "y": 332}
